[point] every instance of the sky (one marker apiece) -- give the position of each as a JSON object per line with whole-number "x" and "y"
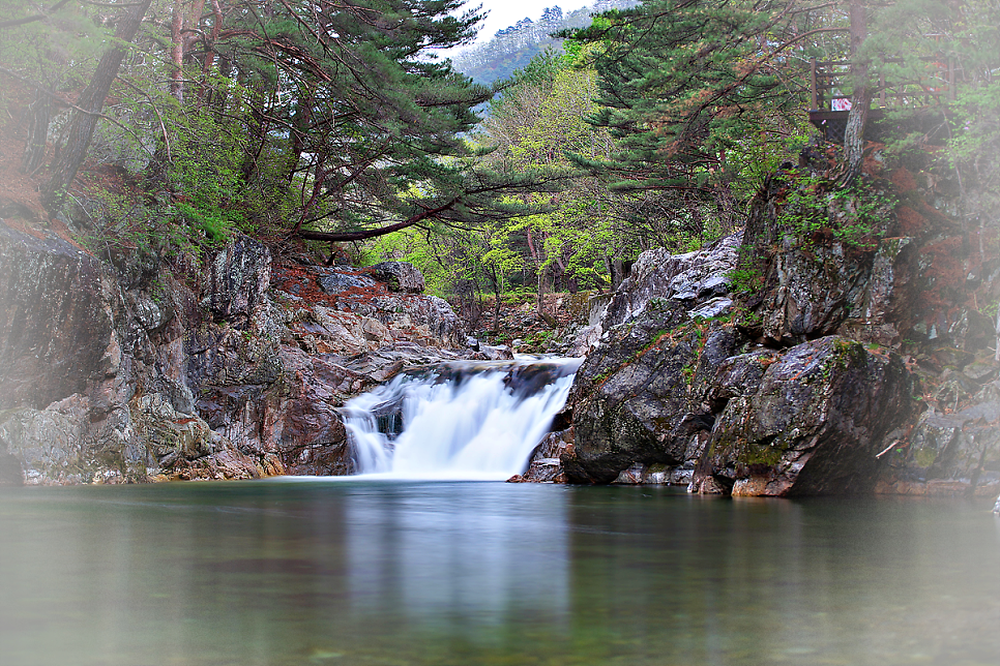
{"x": 505, "y": 13}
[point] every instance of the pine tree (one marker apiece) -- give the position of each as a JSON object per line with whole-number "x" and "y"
{"x": 687, "y": 86}
{"x": 372, "y": 120}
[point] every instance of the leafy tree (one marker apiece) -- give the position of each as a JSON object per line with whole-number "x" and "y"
{"x": 685, "y": 83}
{"x": 344, "y": 107}
{"x": 371, "y": 120}
{"x": 696, "y": 91}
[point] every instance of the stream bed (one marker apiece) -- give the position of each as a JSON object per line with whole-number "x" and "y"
{"x": 359, "y": 571}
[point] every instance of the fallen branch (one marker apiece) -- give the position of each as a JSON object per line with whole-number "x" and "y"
{"x": 886, "y": 450}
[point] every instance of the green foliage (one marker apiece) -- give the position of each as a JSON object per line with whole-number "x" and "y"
{"x": 974, "y": 149}
{"x": 693, "y": 98}
{"x": 816, "y": 210}
{"x": 123, "y": 223}
{"x": 205, "y": 171}
{"x": 58, "y": 51}
{"x": 744, "y": 280}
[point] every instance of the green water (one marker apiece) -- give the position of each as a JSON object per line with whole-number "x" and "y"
{"x": 351, "y": 572}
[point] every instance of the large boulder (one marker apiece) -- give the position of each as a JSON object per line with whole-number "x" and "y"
{"x": 813, "y": 424}
{"x": 686, "y": 279}
{"x": 399, "y": 276}
{"x": 638, "y": 398}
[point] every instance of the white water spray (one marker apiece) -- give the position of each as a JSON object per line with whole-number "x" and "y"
{"x": 465, "y": 422}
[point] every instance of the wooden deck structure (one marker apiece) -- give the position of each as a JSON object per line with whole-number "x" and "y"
{"x": 829, "y": 106}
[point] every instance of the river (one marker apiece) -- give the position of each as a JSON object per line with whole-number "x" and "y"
{"x": 360, "y": 571}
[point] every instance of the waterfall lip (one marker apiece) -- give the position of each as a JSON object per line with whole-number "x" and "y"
{"x": 561, "y": 366}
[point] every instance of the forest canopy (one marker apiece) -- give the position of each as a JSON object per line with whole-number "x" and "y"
{"x": 167, "y": 123}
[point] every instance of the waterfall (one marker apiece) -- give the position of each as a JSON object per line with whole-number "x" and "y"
{"x": 459, "y": 421}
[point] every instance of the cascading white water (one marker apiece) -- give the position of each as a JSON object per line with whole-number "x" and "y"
{"x": 460, "y": 424}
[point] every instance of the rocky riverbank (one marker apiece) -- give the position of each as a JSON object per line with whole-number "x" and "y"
{"x": 781, "y": 360}
{"x": 784, "y": 361}
{"x": 144, "y": 369}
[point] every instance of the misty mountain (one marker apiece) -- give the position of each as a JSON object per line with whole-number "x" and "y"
{"x": 513, "y": 47}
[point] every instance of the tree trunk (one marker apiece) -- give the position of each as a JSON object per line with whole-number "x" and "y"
{"x": 861, "y": 97}
{"x": 177, "y": 51}
{"x": 81, "y": 129}
{"x": 549, "y": 320}
{"x": 38, "y": 131}
{"x": 209, "y": 62}
{"x": 618, "y": 271}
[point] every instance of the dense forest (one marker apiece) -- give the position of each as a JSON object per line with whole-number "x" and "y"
{"x": 168, "y": 125}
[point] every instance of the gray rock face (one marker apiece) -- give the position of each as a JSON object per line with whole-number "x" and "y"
{"x": 237, "y": 373}
{"x": 57, "y": 313}
{"x": 239, "y": 278}
{"x": 808, "y": 392}
{"x": 694, "y": 276}
{"x": 812, "y": 425}
{"x": 676, "y": 398}
{"x": 46, "y": 444}
{"x": 399, "y": 276}
{"x": 639, "y": 396}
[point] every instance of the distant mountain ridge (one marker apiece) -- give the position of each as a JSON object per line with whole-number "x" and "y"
{"x": 513, "y": 47}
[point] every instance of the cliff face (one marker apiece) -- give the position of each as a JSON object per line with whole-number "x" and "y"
{"x": 800, "y": 358}
{"x": 139, "y": 370}
{"x": 789, "y": 359}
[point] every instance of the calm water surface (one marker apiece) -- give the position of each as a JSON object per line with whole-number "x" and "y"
{"x": 359, "y": 572}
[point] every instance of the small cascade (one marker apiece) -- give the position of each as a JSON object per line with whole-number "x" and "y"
{"x": 459, "y": 421}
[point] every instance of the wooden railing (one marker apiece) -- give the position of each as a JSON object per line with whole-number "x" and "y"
{"x": 830, "y": 106}
{"x": 935, "y": 86}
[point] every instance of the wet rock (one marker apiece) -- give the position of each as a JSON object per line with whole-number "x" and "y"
{"x": 655, "y": 475}
{"x": 399, "y": 276}
{"x": 813, "y": 425}
{"x": 638, "y": 398}
{"x": 494, "y": 353}
{"x": 545, "y": 464}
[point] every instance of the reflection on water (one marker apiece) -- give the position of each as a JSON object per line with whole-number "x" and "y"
{"x": 352, "y": 572}
{"x": 450, "y": 553}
